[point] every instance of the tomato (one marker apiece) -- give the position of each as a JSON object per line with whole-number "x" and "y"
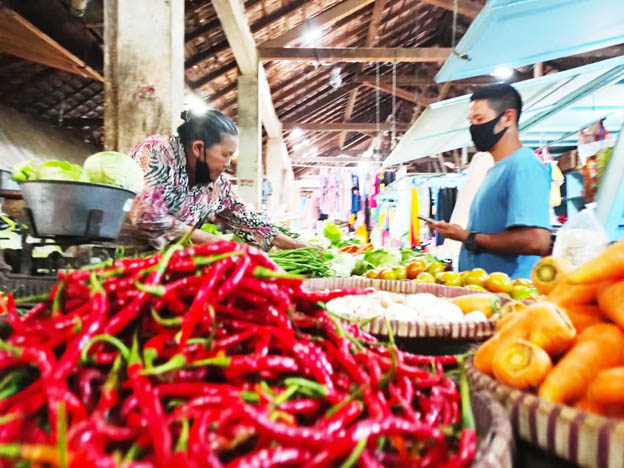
{"x": 523, "y": 282}
{"x": 441, "y": 277}
{"x": 436, "y": 267}
{"x": 387, "y": 275}
{"x": 499, "y": 283}
{"x": 415, "y": 268}
{"x": 400, "y": 272}
{"x": 478, "y": 277}
{"x": 425, "y": 278}
{"x": 372, "y": 274}
{"x": 452, "y": 279}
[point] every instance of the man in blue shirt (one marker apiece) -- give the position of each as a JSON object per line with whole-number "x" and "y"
{"x": 509, "y": 223}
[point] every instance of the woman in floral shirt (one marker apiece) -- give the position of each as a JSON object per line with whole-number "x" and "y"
{"x": 185, "y": 183}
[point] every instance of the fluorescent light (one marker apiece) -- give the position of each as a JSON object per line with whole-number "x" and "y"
{"x": 296, "y": 133}
{"x": 503, "y": 72}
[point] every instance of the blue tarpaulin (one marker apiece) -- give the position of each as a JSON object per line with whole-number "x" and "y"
{"x": 523, "y": 32}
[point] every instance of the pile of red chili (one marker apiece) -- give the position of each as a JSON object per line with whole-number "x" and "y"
{"x": 211, "y": 356}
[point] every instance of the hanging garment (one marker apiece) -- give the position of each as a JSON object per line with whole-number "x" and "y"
{"x": 374, "y": 190}
{"x": 356, "y": 200}
{"x": 414, "y": 221}
{"x": 323, "y": 189}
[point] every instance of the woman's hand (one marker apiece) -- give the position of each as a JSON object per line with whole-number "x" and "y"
{"x": 284, "y": 242}
{"x": 201, "y": 237}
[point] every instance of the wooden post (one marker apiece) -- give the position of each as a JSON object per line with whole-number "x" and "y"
{"x": 144, "y": 70}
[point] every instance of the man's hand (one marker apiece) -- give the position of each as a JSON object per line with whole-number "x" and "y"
{"x": 450, "y": 231}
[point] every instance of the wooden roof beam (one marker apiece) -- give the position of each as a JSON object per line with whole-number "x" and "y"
{"x": 465, "y": 8}
{"x": 371, "y": 37}
{"x": 401, "y": 93}
{"x": 327, "y": 18}
{"x": 364, "y": 127}
{"x": 363, "y": 54}
{"x": 237, "y": 31}
{"x": 413, "y": 80}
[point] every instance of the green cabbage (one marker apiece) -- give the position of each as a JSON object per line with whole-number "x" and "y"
{"x": 59, "y": 170}
{"x": 112, "y": 168}
{"x": 23, "y": 171}
{"x": 383, "y": 257}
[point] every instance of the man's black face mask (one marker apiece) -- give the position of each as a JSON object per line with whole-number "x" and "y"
{"x": 483, "y": 135}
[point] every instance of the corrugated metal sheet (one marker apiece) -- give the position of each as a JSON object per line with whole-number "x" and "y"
{"x": 524, "y": 32}
{"x": 554, "y": 105}
{"x": 24, "y": 138}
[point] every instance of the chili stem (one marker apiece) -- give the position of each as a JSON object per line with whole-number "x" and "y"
{"x": 355, "y": 454}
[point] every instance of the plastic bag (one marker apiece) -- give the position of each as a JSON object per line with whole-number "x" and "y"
{"x": 581, "y": 238}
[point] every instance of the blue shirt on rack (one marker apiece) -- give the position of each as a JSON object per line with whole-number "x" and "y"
{"x": 514, "y": 193}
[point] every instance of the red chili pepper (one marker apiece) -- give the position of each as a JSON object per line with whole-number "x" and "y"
{"x": 342, "y": 418}
{"x": 270, "y": 458}
{"x": 200, "y": 308}
{"x": 151, "y": 408}
{"x": 467, "y": 450}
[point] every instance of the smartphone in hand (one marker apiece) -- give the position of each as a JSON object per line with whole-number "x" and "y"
{"x": 426, "y": 220}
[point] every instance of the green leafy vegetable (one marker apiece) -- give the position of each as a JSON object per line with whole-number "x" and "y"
{"x": 342, "y": 265}
{"x": 24, "y": 171}
{"x": 112, "y": 168}
{"x": 383, "y": 257}
{"x": 332, "y": 233}
{"x": 60, "y": 170}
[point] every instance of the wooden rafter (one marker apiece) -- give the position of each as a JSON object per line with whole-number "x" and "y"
{"x": 466, "y": 8}
{"x": 413, "y": 80}
{"x": 401, "y": 93}
{"x": 364, "y": 127}
{"x": 237, "y": 31}
{"x": 371, "y": 37}
{"x": 327, "y": 18}
{"x": 19, "y": 37}
{"x": 349, "y": 54}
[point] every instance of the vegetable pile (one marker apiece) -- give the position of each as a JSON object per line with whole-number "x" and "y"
{"x": 570, "y": 347}
{"x": 212, "y": 356}
{"x": 105, "y": 167}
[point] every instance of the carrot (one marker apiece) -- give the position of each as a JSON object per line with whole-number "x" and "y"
{"x": 611, "y": 301}
{"x": 489, "y": 304}
{"x": 608, "y": 386}
{"x": 615, "y": 410}
{"x": 608, "y": 266}
{"x": 565, "y": 294}
{"x": 540, "y": 323}
{"x": 521, "y": 364}
{"x": 509, "y": 311}
{"x": 599, "y": 347}
{"x": 549, "y": 272}
{"x": 584, "y": 316}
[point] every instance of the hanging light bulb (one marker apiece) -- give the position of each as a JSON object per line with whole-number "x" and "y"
{"x": 296, "y": 133}
{"x": 312, "y": 35}
{"x": 503, "y": 72}
{"x": 196, "y": 104}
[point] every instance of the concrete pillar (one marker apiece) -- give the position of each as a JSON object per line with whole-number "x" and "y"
{"x": 285, "y": 199}
{"x": 144, "y": 70}
{"x": 249, "y": 164}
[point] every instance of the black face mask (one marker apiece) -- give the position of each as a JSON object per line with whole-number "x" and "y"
{"x": 483, "y": 135}
{"x": 202, "y": 171}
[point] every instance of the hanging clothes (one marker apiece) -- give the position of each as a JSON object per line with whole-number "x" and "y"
{"x": 444, "y": 207}
{"x": 323, "y": 190}
{"x": 374, "y": 191}
{"x": 414, "y": 221}
{"x": 356, "y": 200}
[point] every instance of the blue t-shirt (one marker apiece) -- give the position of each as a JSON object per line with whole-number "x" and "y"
{"x": 515, "y": 192}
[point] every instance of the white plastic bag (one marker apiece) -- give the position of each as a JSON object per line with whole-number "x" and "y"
{"x": 581, "y": 238}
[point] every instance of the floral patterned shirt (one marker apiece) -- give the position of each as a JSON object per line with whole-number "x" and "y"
{"x": 168, "y": 207}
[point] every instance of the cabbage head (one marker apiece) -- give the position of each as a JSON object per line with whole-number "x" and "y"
{"x": 59, "y": 170}
{"x": 112, "y": 168}
{"x": 24, "y": 170}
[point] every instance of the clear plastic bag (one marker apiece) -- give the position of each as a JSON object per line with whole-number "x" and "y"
{"x": 581, "y": 238}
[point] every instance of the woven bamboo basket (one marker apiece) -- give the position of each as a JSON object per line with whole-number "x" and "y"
{"x": 413, "y": 329}
{"x": 586, "y": 439}
{"x": 495, "y": 436}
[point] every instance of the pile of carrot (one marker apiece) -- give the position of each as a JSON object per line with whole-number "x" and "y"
{"x": 570, "y": 347}
{"x": 357, "y": 249}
